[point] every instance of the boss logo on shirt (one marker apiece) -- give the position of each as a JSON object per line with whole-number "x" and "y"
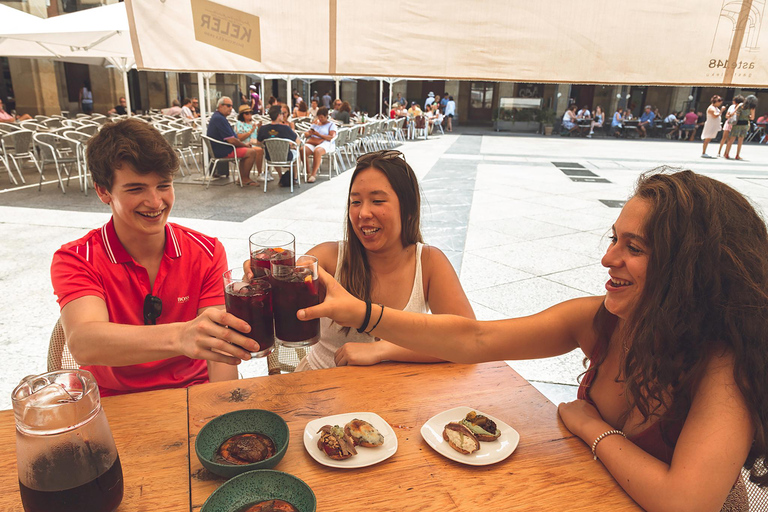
{"x": 184, "y": 299}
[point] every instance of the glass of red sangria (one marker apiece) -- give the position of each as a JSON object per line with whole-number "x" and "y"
{"x": 251, "y": 300}
{"x": 265, "y": 245}
{"x": 294, "y": 287}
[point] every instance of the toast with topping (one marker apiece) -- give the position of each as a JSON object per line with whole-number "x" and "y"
{"x": 363, "y": 434}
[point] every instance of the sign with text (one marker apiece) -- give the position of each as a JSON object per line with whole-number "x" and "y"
{"x": 227, "y": 29}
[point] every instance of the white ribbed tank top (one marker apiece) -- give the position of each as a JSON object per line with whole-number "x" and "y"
{"x": 331, "y": 335}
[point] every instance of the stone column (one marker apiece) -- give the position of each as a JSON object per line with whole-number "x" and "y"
{"x": 35, "y": 86}
{"x": 107, "y": 87}
{"x": 349, "y": 92}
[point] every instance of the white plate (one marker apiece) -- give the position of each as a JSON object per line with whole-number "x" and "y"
{"x": 365, "y": 456}
{"x": 489, "y": 453}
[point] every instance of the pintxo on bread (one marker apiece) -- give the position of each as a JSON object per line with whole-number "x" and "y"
{"x": 335, "y": 443}
{"x": 363, "y": 434}
{"x": 460, "y": 438}
{"x": 481, "y": 426}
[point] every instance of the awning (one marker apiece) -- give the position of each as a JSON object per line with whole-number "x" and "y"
{"x": 687, "y": 42}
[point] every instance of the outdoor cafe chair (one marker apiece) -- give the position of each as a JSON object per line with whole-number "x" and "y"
{"x": 279, "y": 151}
{"x": 50, "y": 148}
{"x": 18, "y": 146}
{"x": 9, "y": 127}
{"x": 33, "y": 126}
{"x": 170, "y": 135}
{"x": 420, "y": 127}
{"x": 88, "y": 129}
{"x": 213, "y": 160}
{"x": 285, "y": 359}
{"x": 184, "y": 145}
{"x": 333, "y": 159}
{"x": 59, "y": 356}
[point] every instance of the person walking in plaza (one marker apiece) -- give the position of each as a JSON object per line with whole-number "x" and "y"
{"x": 220, "y": 129}
{"x": 429, "y": 101}
{"x": 86, "y": 98}
{"x": 255, "y": 98}
{"x": 712, "y": 125}
{"x": 327, "y": 99}
{"x": 744, "y": 113}
{"x": 730, "y": 121}
{"x": 450, "y": 111}
{"x": 673, "y": 402}
{"x": 142, "y": 300}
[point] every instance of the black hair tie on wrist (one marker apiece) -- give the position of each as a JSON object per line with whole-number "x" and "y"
{"x": 377, "y": 321}
{"x": 367, "y": 318}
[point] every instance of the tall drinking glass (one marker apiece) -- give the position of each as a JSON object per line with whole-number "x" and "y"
{"x": 251, "y": 301}
{"x": 295, "y": 287}
{"x": 269, "y": 243}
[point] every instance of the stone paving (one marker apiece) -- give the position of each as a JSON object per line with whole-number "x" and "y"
{"x": 522, "y": 219}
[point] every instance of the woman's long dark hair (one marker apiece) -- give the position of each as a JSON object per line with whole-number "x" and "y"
{"x": 355, "y": 272}
{"x": 706, "y": 295}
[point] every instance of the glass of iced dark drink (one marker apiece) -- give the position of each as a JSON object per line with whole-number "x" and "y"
{"x": 295, "y": 287}
{"x": 251, "y": 300}
{"x": 265, "y": 245}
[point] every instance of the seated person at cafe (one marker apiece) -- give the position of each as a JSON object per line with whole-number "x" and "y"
{"x": 121, "y": 108}
{"x": 344, "y": 113}
{"x": 673, "y": 402}
{"x": 278, "y": 129}
{"x": 415, "y": 110}
{"x": 174, "y": 110}
{"x": 186, "y": 111}
{"x": 391, "y": 266}
{"x": 689, "y": 124}
{"x": 141, "y": 298}
{"x": 646, "y": 122}
{"x": 246, "y": 127}
{"x": 584, "y": 113}
{"x": 220, "y": 129}
{"x": 672, "y": 124}
{"x": 319, "y": 141}
{"x": 569, "y": 119}
{"x": 617, "y": 122}
{"x": 5, "y": 117}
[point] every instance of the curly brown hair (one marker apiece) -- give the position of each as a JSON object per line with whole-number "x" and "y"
{"x": 130, "y": 141}
{"x": 706, "y": 295}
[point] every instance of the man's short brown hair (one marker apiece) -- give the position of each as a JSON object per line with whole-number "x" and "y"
{"x": 130, "y": 141}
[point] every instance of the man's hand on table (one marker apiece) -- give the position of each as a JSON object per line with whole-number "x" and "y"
{"x": 207, "y": 337}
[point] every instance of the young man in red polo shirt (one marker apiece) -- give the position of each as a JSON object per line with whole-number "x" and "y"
{"x": 141, "y": 298}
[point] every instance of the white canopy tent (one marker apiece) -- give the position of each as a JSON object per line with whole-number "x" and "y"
{"x": 691, "y": 42}
{"x": 94, "y": 36}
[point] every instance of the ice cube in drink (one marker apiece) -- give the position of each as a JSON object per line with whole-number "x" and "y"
{"x": 260, "y": 260}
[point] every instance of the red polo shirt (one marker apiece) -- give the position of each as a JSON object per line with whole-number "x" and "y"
{"x": 189, "y": 278}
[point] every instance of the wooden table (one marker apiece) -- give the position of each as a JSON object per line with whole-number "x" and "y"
{"x": 550, "y": 470}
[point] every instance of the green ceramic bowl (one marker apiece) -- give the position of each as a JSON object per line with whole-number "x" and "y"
{"x": 221, "y": 428}
{"x": 255, "y": 486}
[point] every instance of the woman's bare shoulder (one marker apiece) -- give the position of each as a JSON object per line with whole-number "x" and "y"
{"x": 327, "y": 254}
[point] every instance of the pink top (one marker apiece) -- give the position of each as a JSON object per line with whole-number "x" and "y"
{"x": 5, "y": 116}
{"x": 691, "y": 118}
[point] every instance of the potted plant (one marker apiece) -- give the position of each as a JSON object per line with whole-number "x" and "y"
{"x": 546, "y": 116}
{"x": 503, "y": 119}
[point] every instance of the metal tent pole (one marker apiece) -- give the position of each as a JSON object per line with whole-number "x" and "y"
{"x": 203, "y": 119}
{"x": 288, "y": 97}
{"x": 381, "y": 96}
{"x": 335, "y": 79}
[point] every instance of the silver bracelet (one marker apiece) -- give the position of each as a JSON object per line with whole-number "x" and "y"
{"x": 603, "y": 436}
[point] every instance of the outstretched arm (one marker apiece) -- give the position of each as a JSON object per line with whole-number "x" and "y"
{"x": 555, "y": 331}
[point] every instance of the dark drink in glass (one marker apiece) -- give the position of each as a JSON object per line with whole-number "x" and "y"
{"x": 295, "y": 287}
{"x": 102, "y": 494}
{"x": 260, "y": 260}
{"x": 266, "y": 244}
{"x": 251, "y": 301}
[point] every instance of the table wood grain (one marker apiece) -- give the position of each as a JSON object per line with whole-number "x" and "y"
{"x": 150, "y": 431}
{"x": 550, "y": 470}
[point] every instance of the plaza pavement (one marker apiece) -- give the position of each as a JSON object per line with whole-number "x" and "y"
{"x": 522, "y": 219}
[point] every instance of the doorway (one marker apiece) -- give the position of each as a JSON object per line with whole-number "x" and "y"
{"x": 481, "y": 101}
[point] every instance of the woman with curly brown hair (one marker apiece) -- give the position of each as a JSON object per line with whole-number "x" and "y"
{"x": 674, "y": 400}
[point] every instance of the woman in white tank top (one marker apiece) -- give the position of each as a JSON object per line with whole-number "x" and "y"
{"x": 383, "y": 260}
